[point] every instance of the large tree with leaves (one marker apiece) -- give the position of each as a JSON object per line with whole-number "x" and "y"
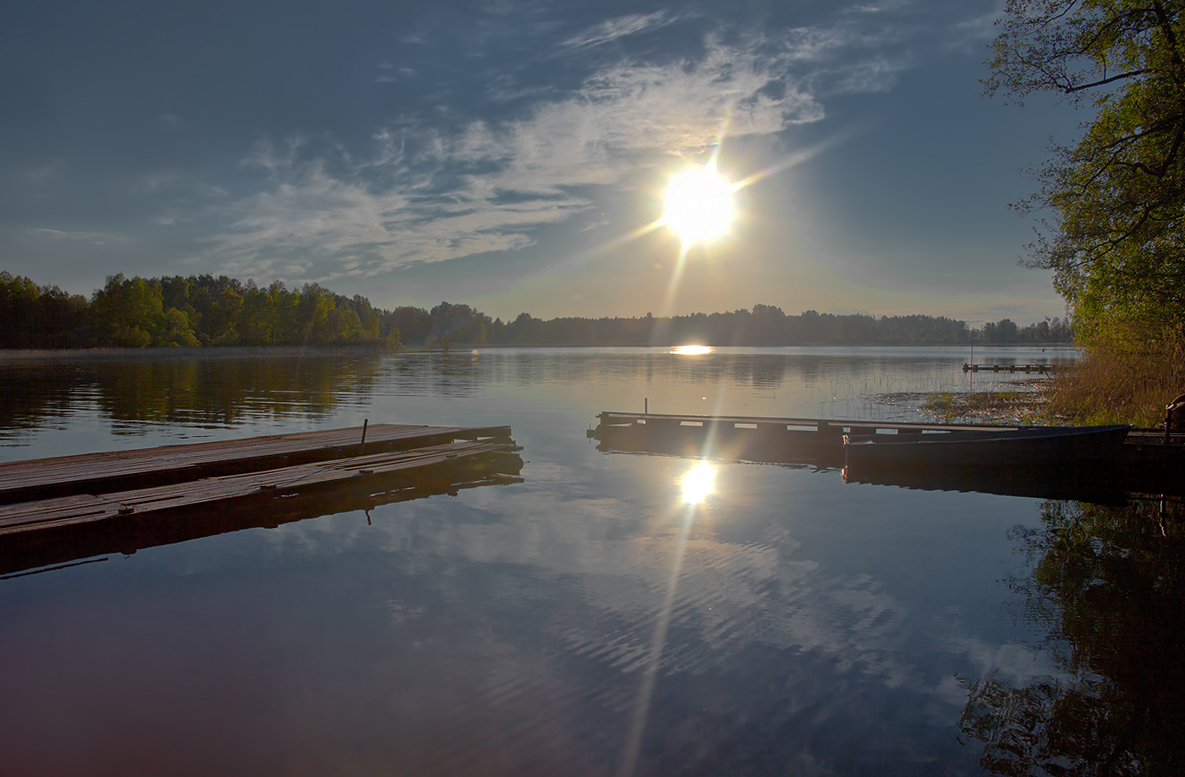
{"x": 1114, "y": 203}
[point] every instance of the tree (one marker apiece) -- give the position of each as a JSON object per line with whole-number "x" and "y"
{"x": 1116, "y": 199}
{"x": 129, "y": 311}
{"x": 18, "y": 311}
{"x": 409, "y": 324}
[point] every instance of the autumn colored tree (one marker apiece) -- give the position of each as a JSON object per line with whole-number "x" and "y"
{"x": 1114, "y": 235}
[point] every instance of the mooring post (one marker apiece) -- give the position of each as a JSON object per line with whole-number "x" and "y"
{"x": 362, "y": 445}
{"x": 646, "y": 406}
{"x": 1172, "y": 408}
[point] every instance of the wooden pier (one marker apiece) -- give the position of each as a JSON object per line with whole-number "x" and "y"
{"x": 1144, "y": 462}
{"x": 784, "y": 440}
{"x": 1041, "y": 369}
{"x": 22, "y": 481}
{"x": 71, "y": 507}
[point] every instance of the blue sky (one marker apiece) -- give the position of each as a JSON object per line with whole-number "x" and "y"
{"x": 508, "y": 154}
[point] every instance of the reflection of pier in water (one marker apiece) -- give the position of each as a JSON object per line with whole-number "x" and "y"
{"x": 177, "y": 497}
{"x": 1142, "y": 465}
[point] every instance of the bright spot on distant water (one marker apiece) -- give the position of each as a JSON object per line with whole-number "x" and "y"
{"x": 691, "y": 350}
{"x": 699, "y": 204}
{"x": 697, "y": 483}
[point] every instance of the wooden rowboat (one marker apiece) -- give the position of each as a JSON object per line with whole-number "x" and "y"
{"x": 1027, "y": 446}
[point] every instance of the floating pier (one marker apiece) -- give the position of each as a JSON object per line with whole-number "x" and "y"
{"x": 1038, "y": 368}
{"x": 96, "y": 473}
{"x": 71, "y": 507}
{"x": 1144, "y": 463}
{"x": 783, "y": 440}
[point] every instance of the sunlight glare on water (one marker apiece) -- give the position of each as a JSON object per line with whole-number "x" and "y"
{"x": 697, "y": 483}
{"x": 809, "y": 626}
{"x": 691, "y": 350}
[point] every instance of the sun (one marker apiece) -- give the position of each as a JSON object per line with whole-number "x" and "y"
{"x": 699, "y": 204}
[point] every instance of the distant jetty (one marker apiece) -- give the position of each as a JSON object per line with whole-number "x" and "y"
{"x": 1038, "y": 368}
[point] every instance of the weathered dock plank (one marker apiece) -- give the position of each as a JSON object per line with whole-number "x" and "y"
{"x": 1144, "y": 462}
{"x": 106, "y": 472}
{"x": 358, "y": 471}
{"x": 816, "y": 441}
{"x": 839, "y": 425}
{"x": 64, "y": 529}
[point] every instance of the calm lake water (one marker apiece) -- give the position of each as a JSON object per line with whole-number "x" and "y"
{"x": 583, "y": 622}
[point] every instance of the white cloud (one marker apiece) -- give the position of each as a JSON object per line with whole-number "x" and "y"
{"x": 430, "y": 195}
{"x": 973, "y": 35}
{"x": 878, "y": 75}
{"x": 94, "y": 238}
{"x": 613, "y": 29}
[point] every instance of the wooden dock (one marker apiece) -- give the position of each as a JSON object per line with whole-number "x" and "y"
{"x": 1145, "y": 463}
{"x": 96, "y": 473}
{"x": 1040, "y": 369}
{"x": 816, "y": 441}
{"x": 178, "y": 499}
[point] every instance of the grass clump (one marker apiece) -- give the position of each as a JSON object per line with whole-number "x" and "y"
{"x": 1015, "y": 407}
{"x": 1121, "y": 381}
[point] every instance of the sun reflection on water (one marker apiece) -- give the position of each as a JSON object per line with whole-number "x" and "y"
{"x": 696, "y": 486}
{"x": 697, "y": 483}
{"x": 691, "y": 350}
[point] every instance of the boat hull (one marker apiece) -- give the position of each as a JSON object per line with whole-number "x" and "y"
{"x": 1058, "y": 446}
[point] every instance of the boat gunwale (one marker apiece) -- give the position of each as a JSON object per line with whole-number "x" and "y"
{"x": 1032, "y": 433}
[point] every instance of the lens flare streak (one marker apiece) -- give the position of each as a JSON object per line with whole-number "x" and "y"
{"x": 696, "y": 485}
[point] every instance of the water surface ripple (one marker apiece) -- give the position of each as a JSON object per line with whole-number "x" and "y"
{"x": 788, "y": 624}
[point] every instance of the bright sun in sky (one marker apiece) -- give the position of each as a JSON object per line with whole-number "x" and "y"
{"x": 699, "y": 204}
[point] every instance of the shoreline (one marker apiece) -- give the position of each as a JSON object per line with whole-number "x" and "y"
{"x": 256, "y": 351}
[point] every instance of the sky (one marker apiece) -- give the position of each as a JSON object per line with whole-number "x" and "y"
{"x": 514, "y": 156}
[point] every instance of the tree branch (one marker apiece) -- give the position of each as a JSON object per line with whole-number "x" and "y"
{"x": 1105, "y": 81}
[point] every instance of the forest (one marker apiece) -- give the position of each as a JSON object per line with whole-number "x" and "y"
{"x": 205, "y": 310}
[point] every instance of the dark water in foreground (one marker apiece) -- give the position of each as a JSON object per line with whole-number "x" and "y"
{"x": 586, "y": 621}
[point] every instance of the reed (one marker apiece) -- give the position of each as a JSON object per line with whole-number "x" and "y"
{"x": 1121, "y": 380}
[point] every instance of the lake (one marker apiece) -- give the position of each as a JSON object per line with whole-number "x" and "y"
{"x": 586, "y": 621}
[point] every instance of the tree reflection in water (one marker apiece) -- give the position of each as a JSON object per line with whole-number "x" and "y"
{"x": 1109, "y": 583}
{"x": 215, "y": 390}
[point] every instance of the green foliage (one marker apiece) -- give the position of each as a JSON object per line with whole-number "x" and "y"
{"x": 33, "y": 317}
{"x": 205, "y": 310}
{"x": 186, "y": 312}
{"x": 127, "y": 312}
{"x": 1114, "y": 238}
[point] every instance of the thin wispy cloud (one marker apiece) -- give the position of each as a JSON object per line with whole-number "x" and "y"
{"x": 94, "y": 238}
{"x": 432, "y": 195}
{"x": 614, "y": 29}
{"x": 974, "y": 35}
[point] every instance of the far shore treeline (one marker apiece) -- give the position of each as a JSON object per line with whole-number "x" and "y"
{"x": 206, "y": 310}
